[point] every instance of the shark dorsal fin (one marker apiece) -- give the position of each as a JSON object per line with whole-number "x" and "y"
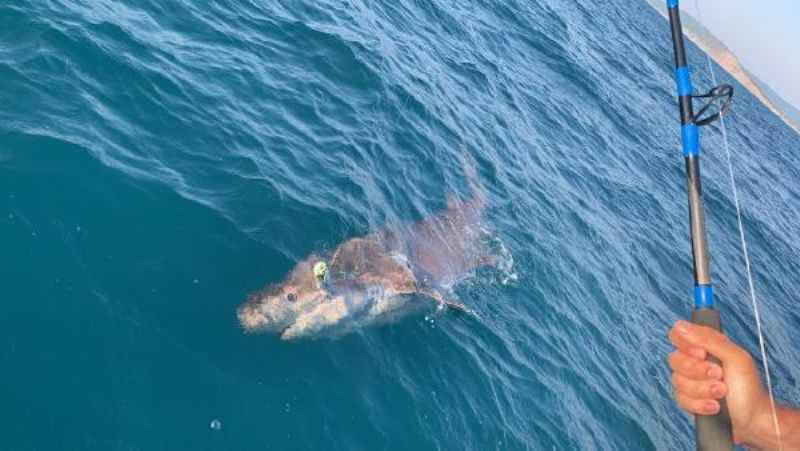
{"x": 453, "y": 204}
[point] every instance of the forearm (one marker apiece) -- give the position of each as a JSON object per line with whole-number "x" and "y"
{"x": 763, "y": 436}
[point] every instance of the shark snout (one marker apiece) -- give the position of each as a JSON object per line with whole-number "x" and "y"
{"x": 250, "y": 318}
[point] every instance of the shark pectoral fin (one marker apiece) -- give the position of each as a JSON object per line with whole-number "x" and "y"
{"x": 445, "y": 303}
{"x": 458, "y": 307}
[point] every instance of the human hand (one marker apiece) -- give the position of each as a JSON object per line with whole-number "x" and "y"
{"x": 699, "y": 385}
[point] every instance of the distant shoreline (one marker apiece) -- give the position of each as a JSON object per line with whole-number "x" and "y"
{"x": 730, "y": 63}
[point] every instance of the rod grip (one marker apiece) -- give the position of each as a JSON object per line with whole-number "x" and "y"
{"x": 712, "y": 432}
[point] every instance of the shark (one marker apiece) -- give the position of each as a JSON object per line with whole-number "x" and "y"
{"x": 376, "y": 277}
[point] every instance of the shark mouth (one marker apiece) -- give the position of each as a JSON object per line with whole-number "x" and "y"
{"x": 342, "y": 313}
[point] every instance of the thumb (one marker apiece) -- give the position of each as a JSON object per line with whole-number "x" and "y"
{"x": 711, "y": 340}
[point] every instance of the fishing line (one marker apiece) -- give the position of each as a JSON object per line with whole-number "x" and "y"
{"x": 746, "y": 255}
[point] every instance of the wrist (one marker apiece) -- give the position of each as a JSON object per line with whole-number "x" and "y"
{"x": 760, "y": 433}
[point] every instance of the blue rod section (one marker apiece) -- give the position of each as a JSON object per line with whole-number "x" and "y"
{"x": 703, "y": 297}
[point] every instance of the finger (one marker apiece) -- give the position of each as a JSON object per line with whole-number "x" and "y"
{"x": 683, "y": 345}
{"x": 696, "y": 406}
{"x": 693, "y": 368}
{"x": 712, "y": 341}
{"x": 705, "y": 389}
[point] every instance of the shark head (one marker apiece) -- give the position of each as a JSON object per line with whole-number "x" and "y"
{"x": 278, "y": 306}
{"x": 363, "y": 283}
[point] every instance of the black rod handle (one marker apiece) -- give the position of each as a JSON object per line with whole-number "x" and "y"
{"x": 712, "y": 432}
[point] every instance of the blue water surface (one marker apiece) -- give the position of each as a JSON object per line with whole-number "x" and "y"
{"x": 159, "y": 160}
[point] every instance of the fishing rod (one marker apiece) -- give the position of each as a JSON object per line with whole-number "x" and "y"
{"x": 712, "y": 432}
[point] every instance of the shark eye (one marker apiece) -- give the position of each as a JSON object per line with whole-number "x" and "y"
{"x": 291, "y": 297}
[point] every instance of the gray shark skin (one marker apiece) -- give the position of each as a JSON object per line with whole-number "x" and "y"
{"x": 374, "y": 278}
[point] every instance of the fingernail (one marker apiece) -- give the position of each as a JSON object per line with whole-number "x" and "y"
{"x": 682, "y": 327}
{"x": 711, "y": 407}
{"x": 714, "y": 372}
{"x": 717, "y": 389}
